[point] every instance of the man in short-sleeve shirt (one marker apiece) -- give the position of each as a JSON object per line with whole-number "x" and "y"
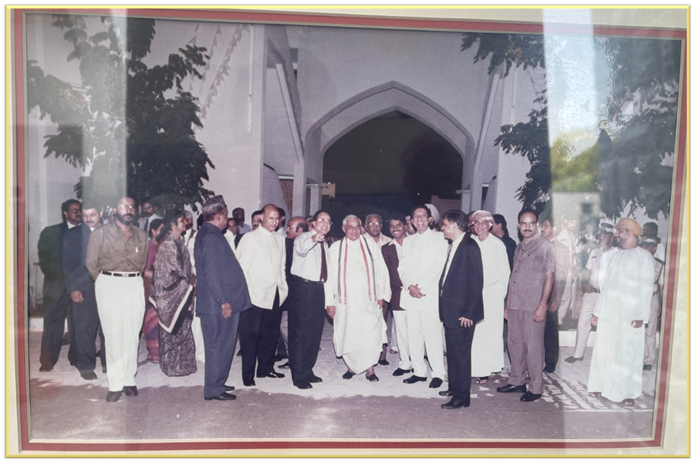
{"x": 530, "y": 286}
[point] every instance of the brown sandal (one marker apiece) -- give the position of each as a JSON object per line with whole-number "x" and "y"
{"x": 482, "y": 380}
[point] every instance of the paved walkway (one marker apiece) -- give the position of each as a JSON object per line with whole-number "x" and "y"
{"x": 64, "y": 406}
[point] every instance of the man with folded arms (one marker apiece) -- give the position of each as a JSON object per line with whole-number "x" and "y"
{"x": 116, "y": 258}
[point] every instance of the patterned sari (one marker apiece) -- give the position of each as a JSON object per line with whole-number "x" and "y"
{"x": 173, "y": 275}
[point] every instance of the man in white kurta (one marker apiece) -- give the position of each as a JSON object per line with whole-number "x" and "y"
{"x": 424, "y": 256}
{"x": 487, "y": 351}
{"x": 626, "y": 279}
{"x": 356, "y": 290}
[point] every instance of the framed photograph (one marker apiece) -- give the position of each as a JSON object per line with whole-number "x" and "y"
{"x": 117, "y": 117}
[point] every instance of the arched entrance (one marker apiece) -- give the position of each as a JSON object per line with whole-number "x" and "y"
{"x": 377, "y": 101}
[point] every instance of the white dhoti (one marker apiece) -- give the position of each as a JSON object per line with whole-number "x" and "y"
{"x": 359, "y": 330}
{"x": 121, "y": 306}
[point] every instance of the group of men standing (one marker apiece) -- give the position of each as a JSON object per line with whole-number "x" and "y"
{"x": 439, "y": 286}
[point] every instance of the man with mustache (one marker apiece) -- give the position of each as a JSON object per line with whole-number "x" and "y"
{"x": 116, "y": 258}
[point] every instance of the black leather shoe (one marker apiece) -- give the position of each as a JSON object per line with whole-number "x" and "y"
{"x": 548, "y": 369}
{"x": 414, "y": 379}
{"x": 284, "y": 366}
{"x": 315, "y": 379}
{"x": 573, "y": 359}
{"x": 446, "y": 393}
{"x": 249, "y": 382}
{"x": 45, "y": 368}
{"x": 530, "y": 396}
{"x": 401, "y": 372}
{"x": 384, "y": 362}
{"x": 373, "y": 378}
{"x": 454, "y": 404}
{"x": 113, "y": 396}
{"x": 279, "y": 358}
{"x": 88, "y": 375}
{"x": 512, "y": 388}
{"x": 304, "y": 386}
{"x": 435, "y": 383}
{"x": 348, "y": 375}
{"x": 647, "y": 368}
{"x": 131, "y": 391}
{"x": 271, "y": 374}
{"x": 229, "y": 388}
{"x": 223, "y": 396}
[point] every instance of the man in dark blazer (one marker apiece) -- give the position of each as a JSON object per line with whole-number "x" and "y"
{"x": 55, "y": 297}
{"x": 460, "y": 306}
{"x": 80, "y": 288}
{"x": 221, "y": 296}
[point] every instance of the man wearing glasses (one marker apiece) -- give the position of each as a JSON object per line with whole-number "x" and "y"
{"x": 116, "y": 258}
{"x": 530, "y": 286}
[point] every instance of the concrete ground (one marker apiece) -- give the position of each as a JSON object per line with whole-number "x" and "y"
{"x": 63, "y": 406}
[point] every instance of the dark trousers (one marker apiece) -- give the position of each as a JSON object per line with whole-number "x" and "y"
{"x": 258, "y": 337}
{"x": 85, "y": 323}
{"x": 219, "y": 336}
{"x": 551, "y": 340}
{"x": 56, "y": 304}
{"x": 306, "y": 318}
{"x": 458, "y": 358}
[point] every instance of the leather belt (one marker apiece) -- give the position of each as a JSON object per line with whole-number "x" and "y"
{"x": 122, "y": 274}
{"x": 310, "y": 281}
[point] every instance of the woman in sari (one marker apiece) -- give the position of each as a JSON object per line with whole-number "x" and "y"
{"x": 150, "y": 327}
{"x": 172, "y": 293}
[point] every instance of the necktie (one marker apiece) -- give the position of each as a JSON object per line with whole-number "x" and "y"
{"x": 147, "y": 222}
{"x": 324, "y": 267}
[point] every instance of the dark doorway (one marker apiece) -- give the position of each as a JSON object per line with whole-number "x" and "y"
{"x": 389, "y": 164}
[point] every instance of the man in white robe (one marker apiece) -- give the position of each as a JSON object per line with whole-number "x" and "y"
{"x": 626, "y": 279}
{"x": 424, "y": 256}
{"x": 487, "y": 351}
{"x": 357, "y": 288}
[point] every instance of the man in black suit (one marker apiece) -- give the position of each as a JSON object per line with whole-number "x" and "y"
{"x": 222, "y": 295}
{"x": 460, "y": 306}
{"x": 55, "y": 297}
{"x": 80, "y": 287}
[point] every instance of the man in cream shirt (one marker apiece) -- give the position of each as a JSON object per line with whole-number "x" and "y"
{"x": 424, "y": 256}
{"x": 262, "y": 257}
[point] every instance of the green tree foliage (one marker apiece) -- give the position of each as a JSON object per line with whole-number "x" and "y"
{"x": 130, "y": 125}
{"x": 626, "y": 165}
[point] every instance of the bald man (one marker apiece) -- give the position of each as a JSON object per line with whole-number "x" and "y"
{"x": 262, "y": 256}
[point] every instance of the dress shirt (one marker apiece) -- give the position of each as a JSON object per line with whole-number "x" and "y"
{"x": 306, "y": 261}
{"x": 424, "y": 256}
{"x": 262, "y": 257}
{"x": 532, "y": 261}
{"x": 148, "y": 220}
{"x": 452, "y": 252}
{"x": 109, "y": 250}
{"x": 229, "y": 236}
{"x": 245, "y": 229}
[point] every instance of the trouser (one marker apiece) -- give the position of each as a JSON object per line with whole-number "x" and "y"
{"x": 198, "y": 340}
{"x": 258, "y": 336}
{"x": 121, "y": 305}
{"x": 651, "y": 330}
{"x": 589, "y": 301}
{"x": 219, "y": 335}
{"x": 425, "y": 332}
{"x": 56, "y": 305}
{"x": 526, "y": 349}
{"x": 283, "y": 339}
{"x": 400, "y": 324}
{"x": 306, "y": 320}
{"x": 458, "y": 360}
{"x": 85, "y": 322}
{"x": 567, "y": 300}
{"x": 551, "y": 340}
